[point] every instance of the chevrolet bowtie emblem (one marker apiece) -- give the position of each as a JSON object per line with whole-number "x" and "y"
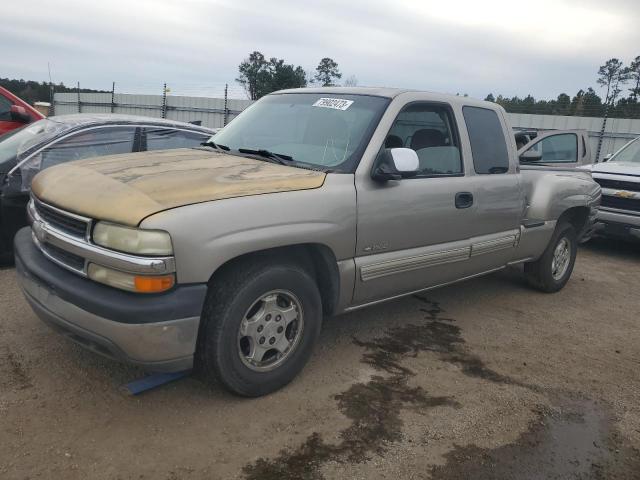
{"x": 624, "y": 194}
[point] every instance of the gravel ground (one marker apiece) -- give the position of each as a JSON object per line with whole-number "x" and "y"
{"x": 485, "y": 380}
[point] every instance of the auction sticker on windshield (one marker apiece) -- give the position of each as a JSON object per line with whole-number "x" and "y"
{"x": 335, "y": 103}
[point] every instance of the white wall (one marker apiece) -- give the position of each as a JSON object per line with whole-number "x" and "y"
{"x": 210, "y": 111}
{"x": 618, "y": 131}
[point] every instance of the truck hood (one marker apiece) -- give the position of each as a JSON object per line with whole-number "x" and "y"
{"x": 617, "y": 168}
{"x": 127, "y": 188}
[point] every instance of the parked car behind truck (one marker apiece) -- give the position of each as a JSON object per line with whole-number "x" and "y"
{"x": 313, "y": 202}
{"x": 554, "y": 148}
{"x": 619, "y": 177}
{"x": 15, "y": 112}
{"x": 64, "y": 138}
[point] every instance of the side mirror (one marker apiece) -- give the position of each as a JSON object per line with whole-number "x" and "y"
{"x": 395, "y": 163}
{"x": 530, "y": 156}
{"x": 19, "y": 114}
{"x": 607, "y": 157}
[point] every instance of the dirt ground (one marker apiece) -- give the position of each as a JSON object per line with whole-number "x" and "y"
{"x": 482, "y": 380}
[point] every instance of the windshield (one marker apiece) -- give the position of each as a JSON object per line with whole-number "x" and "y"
{"x": 22, "y": 140}
{"x": 629, "y": 154}
{"x": 327, "y": 131}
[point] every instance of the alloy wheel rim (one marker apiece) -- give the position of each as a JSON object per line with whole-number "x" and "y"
{"x": 561, "y": 258}
{"x": 270, "y": 330}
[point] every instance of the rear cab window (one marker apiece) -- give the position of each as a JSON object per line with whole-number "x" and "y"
{"x": 488, "y": 144}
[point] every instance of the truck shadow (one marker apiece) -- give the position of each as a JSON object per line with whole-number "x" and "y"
{"x": 613, "y": 247}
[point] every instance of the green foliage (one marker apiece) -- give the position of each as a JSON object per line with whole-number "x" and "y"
{"x": 634, "y": 76}
{"x": 326, "y": 72}
{"x": 260, "y": 76}
{"x": 611, "y": 76}
{"x": 31, "y": 91}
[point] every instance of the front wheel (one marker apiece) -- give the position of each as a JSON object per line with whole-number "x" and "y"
{"x": 261, "y": 322}
{"x": 552, "y": 270}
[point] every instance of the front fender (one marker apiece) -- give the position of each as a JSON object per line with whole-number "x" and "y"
{"x": 209, "y": 234}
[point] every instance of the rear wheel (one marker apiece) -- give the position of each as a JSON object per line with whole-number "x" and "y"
{"x": 261, "y": 321}
{"x": 552, "y": 270}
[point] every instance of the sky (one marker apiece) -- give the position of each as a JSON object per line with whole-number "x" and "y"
{"x": 541, "y": 48}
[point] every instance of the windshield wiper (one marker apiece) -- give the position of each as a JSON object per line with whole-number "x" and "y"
{"x": 274, "y": 157}
{"x": 217, "y": 146}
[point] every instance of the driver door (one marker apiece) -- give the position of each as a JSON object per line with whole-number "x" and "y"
{"x": 414, "y": 232}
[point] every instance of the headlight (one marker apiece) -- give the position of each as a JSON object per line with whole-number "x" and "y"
{"x": 130, "y": 282}
{"x": 132, "y": 240}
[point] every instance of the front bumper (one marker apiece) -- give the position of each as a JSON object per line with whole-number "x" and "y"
{"x": 157, "y": 332}
{"x": 618, "y": 224}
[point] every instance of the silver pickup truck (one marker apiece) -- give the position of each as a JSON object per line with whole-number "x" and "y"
{"x": 313, "y": 202}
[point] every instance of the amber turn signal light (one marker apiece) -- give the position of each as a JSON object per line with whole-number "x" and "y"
{"x": 146, "y": 284}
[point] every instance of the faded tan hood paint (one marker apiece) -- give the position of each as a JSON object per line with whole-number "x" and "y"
{"x": 127, "y": 188}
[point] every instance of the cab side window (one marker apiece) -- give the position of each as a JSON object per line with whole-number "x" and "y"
{"x": 561, "y": 148}
{"x": 5, "y": 109}
{"x": 166, "y": 138}
{"x": 91, "y": 143}
{"x": 430, "y": 131}
{"x": 488, "y": 144}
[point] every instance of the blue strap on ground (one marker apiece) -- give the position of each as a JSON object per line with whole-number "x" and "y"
{"x": 152, "y": 381}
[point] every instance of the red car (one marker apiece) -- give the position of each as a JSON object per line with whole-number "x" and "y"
{"x": 14, "y": 112}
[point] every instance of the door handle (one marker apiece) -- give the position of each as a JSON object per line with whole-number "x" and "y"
{"x": 464, "y": 199}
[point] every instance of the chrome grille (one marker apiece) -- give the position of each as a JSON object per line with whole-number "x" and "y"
{"x": 67, "y": 259}
{"x": 64, "y": 221}
{"x": 620, "y": 203}
{"x": 618, "y": 184}
{"x": 64, "y": 238}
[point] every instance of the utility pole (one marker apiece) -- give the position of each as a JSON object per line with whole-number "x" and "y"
{"x": 113, "y": 94}
{"x": 601, "y": 137}
{"x": 226, "y": 110}
{"x": 164, "y": 101}
{"x": 52, "y": 108}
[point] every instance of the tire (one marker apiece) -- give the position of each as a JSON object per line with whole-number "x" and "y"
{"x": 541, "y": 274}
{"x": 246, "y": 297}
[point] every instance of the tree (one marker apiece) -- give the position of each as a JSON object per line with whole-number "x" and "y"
{"x": 285, "y": 76}
{"x": 563, "y": 104}
{"x": 260, "y": 77}
{"x": 351, "y": 81}
{"x": 253, "y": 75}
{"x": 490, "y": 98}
{"x": 634, "y": 76}
{"x": 611, "y": 76}
{"x": 31, "y": 91}
{"x": 326, "y": 72}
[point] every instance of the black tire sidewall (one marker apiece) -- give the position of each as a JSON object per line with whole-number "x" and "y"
{"x": 567, "y": 231}
{"x": 223, "y": 344}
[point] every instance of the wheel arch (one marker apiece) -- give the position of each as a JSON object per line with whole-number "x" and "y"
{"x": 316, "y": 258}
{"x": 578, "y": 217}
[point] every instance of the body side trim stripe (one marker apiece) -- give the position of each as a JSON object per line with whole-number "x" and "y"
{"x": 416, "y": 262}
{"x": 401, "y": 265}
